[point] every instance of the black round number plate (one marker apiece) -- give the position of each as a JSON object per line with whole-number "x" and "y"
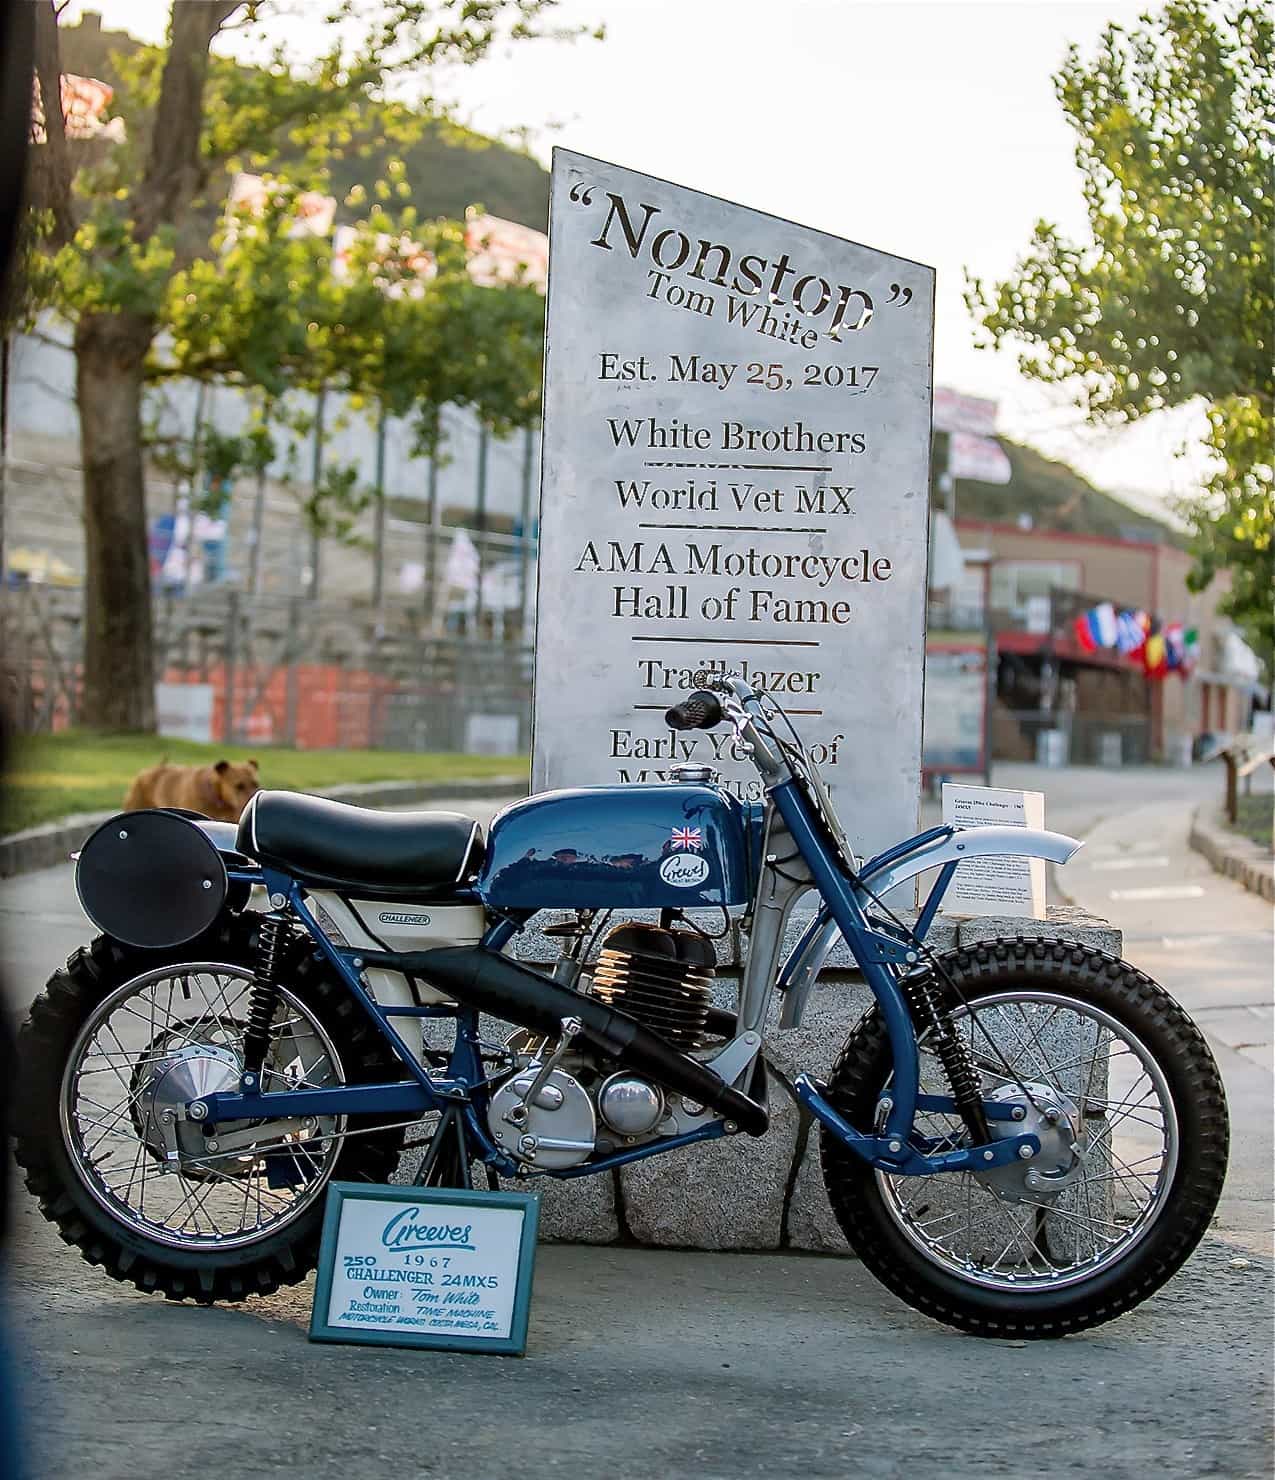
{"x": 151, "y": 879}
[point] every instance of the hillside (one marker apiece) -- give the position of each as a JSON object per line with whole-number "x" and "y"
{"x": 1054, "y": 495}
{"x": 447, "y": 173}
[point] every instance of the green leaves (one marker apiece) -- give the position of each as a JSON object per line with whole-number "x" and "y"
{"x": 392, "y": 320}
{"x": 1172, "y": 296}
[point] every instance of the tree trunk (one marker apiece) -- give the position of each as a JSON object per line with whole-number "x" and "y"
{"x": 119, "y": 671}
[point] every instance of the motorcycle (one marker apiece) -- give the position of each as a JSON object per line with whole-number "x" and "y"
{"x": 1022, "y": 1138}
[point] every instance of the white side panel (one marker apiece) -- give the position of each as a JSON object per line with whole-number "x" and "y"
{"x": 406, "y": 927}
{"x": 390, "y": 988}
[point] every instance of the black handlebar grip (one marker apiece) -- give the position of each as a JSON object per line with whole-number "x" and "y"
{"x": 701, "y": 711}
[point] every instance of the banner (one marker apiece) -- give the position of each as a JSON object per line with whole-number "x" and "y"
{"x": 980, "y": 458}
{"x": 954, "y": 412}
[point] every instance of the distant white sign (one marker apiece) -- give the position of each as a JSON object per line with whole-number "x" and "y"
{"x": 978, "y": 457}
{"x": 491, "y": 734}
{"x": 735, "y": 476}
{"x": 955, "y": 709}
{"x": 954, "y": 412}
{"x": 184, "y": 711}
{"x": 999, "y": 885}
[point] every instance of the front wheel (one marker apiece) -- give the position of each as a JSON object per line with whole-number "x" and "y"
{"x": 1127, "y": 1100}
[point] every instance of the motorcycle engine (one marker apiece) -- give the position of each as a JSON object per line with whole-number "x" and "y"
{"x": 661, "y": 977}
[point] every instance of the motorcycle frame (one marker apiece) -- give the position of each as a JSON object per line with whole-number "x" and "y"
{"x": 882, "y": 950}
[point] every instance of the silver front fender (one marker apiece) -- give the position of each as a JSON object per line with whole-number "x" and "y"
{"x": 897, "y": 868}
{"x": 970, "y": 842}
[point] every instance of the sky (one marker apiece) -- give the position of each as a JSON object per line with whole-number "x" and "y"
{"x": 927, "y": 128}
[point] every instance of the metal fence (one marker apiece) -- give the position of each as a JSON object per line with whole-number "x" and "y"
{"x": 283, "y": 670}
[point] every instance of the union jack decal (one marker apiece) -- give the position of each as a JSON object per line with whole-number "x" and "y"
{"x": 686, "y": 837}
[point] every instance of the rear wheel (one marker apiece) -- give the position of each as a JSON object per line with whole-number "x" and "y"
{"x": 119, "y": 1040}
{"x": 1126, "y": 1100}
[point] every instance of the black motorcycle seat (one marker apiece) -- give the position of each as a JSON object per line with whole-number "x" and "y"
{"x": 338, "y": 846}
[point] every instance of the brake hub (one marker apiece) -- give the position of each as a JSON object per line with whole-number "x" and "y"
{"x": 1054, "y": 1120}
{"x": 169, "y": 1078}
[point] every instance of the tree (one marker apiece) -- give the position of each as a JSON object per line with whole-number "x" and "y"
{"x": 401, "y": 328}
{"x": 1172, "y": 298}
{"x": 118, "y": 226}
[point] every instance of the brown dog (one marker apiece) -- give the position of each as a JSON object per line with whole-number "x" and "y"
{"x": 221, "y": 791}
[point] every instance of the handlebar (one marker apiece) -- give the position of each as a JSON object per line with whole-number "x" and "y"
{"x": 739, "y": 703}
{"x": 701, "y": 711}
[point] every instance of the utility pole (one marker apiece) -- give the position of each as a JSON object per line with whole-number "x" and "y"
{"x": 480, "y": 521}
{"x": 378, "y": 519}
{"x": 316, "y": 477}
{"x": 431, "y": 530}
{"x": 192, "y": 496}
{"x": 524, "y": 545}
{"x": 4, "y": 442}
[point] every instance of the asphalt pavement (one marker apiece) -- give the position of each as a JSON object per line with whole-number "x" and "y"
{"x": 651, "y": 1364}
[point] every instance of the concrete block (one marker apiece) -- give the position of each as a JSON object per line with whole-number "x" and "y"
{"x": 726, "y": 1194}
{"x": 580, "y": 1210}
{"x": 1066, "y": 922}
{"x": 811, "y": 1224}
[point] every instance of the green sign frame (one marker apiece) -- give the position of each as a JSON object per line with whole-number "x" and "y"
{"x": 340, "y": 1194}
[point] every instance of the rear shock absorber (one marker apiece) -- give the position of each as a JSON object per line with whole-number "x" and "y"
{"x": 272, "y": 939}
{"x": 952, "y": 1051}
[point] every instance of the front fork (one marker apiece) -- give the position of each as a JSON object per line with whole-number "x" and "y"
{"x": 896, "y": 1148}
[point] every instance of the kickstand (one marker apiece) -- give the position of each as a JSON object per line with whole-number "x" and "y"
{"x": 446, "y": 1160}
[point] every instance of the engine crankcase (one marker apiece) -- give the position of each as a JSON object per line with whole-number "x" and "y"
{"x": 557, "y": 1129}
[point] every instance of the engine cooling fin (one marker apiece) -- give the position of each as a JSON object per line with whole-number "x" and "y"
{"x": 663, "y": 978}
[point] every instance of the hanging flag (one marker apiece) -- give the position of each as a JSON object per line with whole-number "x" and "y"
{"x": 1191, "y": 651}
{"x": 1130, "y": 634}
{"x": 1174, "y": 646}
{"x": 1103, "y": 621}
{"x": 1155, "y": 655}
{"x": 1085, "y": 639}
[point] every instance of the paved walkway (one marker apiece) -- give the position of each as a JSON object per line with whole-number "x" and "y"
{"x": 647, "y": 1365}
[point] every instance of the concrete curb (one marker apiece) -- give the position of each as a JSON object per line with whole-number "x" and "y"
{"x": 48, "y": 845}
{"x": 1238, "y": 857}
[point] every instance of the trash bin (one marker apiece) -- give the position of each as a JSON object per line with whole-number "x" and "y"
{"x": 1182, "y": 750}
{"x": 1051, "y": 748}
{"x": 1110, "y": 748}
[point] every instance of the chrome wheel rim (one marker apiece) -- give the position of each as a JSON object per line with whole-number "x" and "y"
{"x": 214, "y": 1202}
{"x": 1125, "y": 1128}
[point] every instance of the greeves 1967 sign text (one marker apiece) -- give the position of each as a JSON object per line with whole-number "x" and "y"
{"x": 735, "y": 476}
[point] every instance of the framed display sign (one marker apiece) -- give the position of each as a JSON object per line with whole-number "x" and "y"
{"x": 432, "y": 1267}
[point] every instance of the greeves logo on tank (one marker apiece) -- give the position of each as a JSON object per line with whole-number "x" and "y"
{"x": 684, "y": 870}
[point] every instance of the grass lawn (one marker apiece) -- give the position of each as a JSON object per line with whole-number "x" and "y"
{"x": 1255, "y": 818}
{"x": 77, "y": 771}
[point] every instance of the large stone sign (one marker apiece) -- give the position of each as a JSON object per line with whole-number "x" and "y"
{"x": 735, "y": 475}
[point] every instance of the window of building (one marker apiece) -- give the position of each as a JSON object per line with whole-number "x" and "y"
{"x": 1015, "y": 581}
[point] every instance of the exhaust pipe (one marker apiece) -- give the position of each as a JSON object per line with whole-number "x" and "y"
{"x": 496, "y": 985}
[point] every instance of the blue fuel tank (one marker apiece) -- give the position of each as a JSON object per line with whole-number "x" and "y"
{"x": 623, "y": 847}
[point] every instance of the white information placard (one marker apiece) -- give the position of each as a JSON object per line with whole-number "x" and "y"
{"x": 184, "y": 711}
{"x": 735, "y": 476}
{"x": 411, "y": 1266}
{"x": 998, "y": 885}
